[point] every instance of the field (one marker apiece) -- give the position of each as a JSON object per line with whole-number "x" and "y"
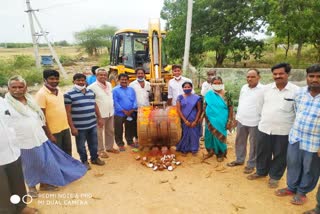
{"x": 9, "y": 52}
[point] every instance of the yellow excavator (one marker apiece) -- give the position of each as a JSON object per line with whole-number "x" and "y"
{"x": 158, "y": 124}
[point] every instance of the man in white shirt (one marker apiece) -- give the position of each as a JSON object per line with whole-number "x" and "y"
{"x": 104, "y": 100}
{"x": 207, "y": 85}
{"x": 141, "y": 87}
{"x": 11, "y": 176}
{"x": 175, "y": 85}
{"x": 277, "y": 117}
{"x": 247, "y": 121}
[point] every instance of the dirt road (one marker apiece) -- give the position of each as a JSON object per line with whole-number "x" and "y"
{"x": 123, "y": 185}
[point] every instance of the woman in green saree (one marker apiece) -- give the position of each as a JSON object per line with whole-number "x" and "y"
{"x": 218, "y": 115}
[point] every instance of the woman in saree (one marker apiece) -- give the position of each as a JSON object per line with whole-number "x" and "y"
{"x": 189, "y": 109}
{"x": 218, "y": 116}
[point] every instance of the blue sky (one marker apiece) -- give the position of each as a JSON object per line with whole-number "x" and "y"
{"x": 61, "y": 18}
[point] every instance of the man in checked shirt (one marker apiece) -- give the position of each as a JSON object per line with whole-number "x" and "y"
{"x": 303, "y": 156}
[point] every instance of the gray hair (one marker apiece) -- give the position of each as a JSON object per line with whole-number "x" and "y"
{"x": 17, "y": 78}
{"x": 100, "y": 70}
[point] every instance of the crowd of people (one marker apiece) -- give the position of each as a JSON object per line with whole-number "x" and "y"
{"x": 281, "y": 121}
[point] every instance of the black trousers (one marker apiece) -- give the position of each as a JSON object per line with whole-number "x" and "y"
{"x": 64, "y": 141}
{"x": 271, "y": 155}
{"x": 130, "y": 130}
{"x": 11, "y": 183}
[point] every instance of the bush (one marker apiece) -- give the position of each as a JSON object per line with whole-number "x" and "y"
{"x": 23, "y": 61}
{"x": 20, "y": 65}
{"x": 32, "y": 76}
{"x": 104, "y": 60}
{"x": 66, "y": 60}
{"x": 3, "y": 79}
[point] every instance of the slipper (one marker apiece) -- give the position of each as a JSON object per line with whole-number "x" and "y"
{"x": 248, "y": 170}
{"x": 298, "y": 199}
{"x": 234, "y": 163}
{"x": 207, "y": 156}
{"x": 103, "y": 154}
{"x": 113, "y": 151}
{"x": 283, "y": 192}
{"x": 255, "y": 176}
{"x": 220, "y": 159}
{"x": 48, "y": 187}
{"x": 122, "y": 149}
{"x": 33, "y": 192}
{"x": 273, "y": 183}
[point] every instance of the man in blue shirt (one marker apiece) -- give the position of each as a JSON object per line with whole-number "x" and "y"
{"x": 92, "y": 78}
{"x": 83, "y": 115}
{"x": 125, "y": 109}
{"x": 303, "y": 158}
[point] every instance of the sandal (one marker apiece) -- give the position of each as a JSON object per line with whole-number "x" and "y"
{"x": 298, "y": 199}
{"x": 33, "y": 192}
{"x": 283, "y": 192}
{"x": 234, "y": 163}
{"x": 103, "y": 154}
{"x": 122, "y": 148}
{"x": 207, "y": 156}
{"x": 48, "y": 187}
{"x": 255, "y": 176}
{"x": 273, "y": 183}
{"x": 248, "y": 170}
{"x": 113, "y": 151}
{"x": 220, "y": 159}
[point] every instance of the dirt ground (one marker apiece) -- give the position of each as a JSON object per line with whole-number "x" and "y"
{"x": 123, "y": 185}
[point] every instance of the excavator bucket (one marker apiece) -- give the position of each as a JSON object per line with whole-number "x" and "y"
{"x": 158, "y": 126}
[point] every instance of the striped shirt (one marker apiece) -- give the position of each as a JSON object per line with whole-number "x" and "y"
{"x": 306, "y": 127}
{"x": 82, "y": 108}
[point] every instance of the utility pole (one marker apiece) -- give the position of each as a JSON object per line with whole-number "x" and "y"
{"x": 33, "y": 35}
{"x": 54, "y": 54}
{"x": 31, "y": 14}
{"x": 188, "y": 35}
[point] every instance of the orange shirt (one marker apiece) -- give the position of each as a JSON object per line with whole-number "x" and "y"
{"x": 56, "y": 114}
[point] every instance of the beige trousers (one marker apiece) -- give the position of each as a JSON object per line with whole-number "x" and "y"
{"x": 106, "y": 135}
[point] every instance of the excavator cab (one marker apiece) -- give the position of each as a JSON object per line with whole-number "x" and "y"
{"x": 130, "y": 50}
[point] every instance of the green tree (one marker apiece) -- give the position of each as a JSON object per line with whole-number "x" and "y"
{"x": 62, "y": 43}
{"x": 217, "y": 25}
{"x": 94, "y": 38}
{"x": 291, "y": 21}
{"x": 314, "y": 30}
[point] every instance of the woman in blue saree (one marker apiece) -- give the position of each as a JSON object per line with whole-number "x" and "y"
{"x": 189, "y": 109}
{"x": 218, "y": 115}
